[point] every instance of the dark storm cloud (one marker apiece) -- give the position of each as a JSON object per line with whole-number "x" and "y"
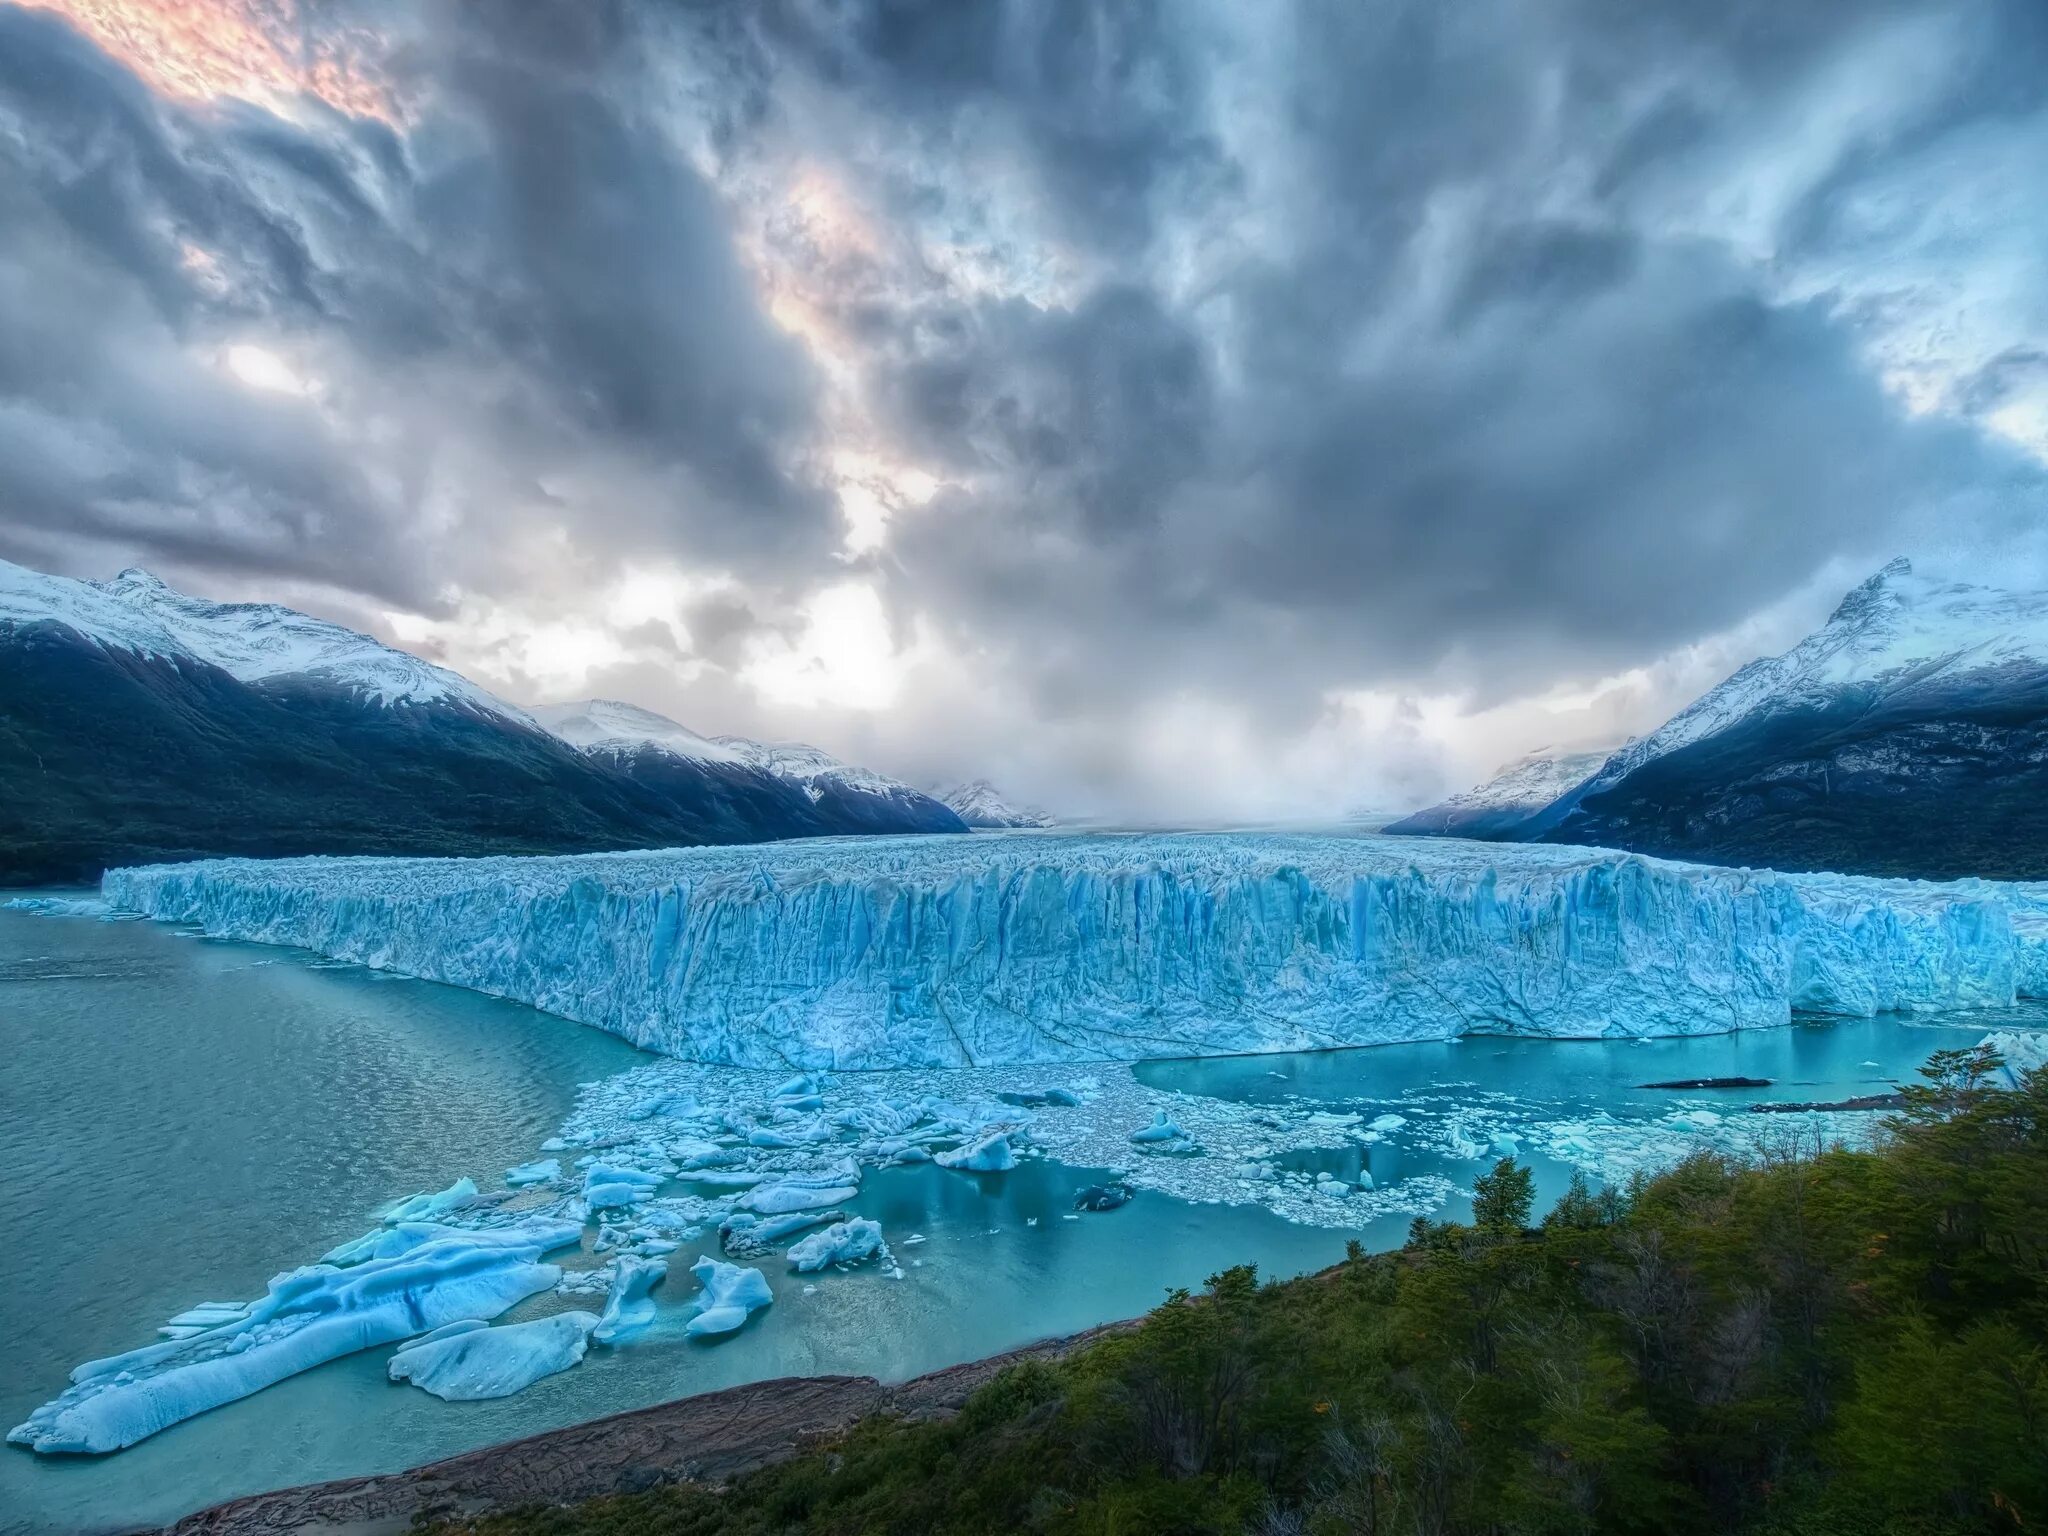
{"x": 107, "y": 429}
{"x": 1102, "y": 110}
{"x": 1480, "y": 399}
{"x": 1264, "y": 350}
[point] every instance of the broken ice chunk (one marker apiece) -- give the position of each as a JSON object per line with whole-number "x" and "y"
{"x": 992, "y": 1154}
{"x": 607, "y": 1188}
{"x": 455, "y": 1197}
{"x": 309, "y": 1316}
{"x": 730, "y": 1294}
{"x": 747, "y": 1235}
{"x": 845, "y": 1242}
{"x": 631, "y": 1307}
{"x": 1161, "y": 1130}
{"x": 539, "y": 1171}
{"x": 466, "y": 1365}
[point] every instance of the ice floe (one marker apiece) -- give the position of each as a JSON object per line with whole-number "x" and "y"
{"x": 309, "y": 1316}
{"x": 990, "y": 1154}
{"x": 469, "y": 1362}
{"x": 457, "y": 1196}
{"x": 731, "y": 1293}
{"x": 542, "y": 1170}
{"x": 630, "y": 1307}
{"x": 844, "y": 1243}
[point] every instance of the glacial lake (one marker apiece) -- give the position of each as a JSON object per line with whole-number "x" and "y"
{"x": 181, "y": 1119}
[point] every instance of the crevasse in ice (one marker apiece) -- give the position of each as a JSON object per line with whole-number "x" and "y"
{"x": 939, "y": 952}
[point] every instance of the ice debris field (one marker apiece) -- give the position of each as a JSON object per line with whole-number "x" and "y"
{"x": 752, "y": 1170}
{"x": 993, "y": 993}
{"x": 876, "y": 953}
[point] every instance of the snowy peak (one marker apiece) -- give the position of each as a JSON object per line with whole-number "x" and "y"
{"x": 1510, "y": 798}
{"x": 979, "y": 804}
{"x": 609, "y": 725}
{"x": 810, "y": 767}
{"x": 1531, "y": 782}
{"x": 252, "y": 642}
{"x": 1896, "y": 630}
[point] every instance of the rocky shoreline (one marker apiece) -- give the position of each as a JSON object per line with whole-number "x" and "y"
{"x": 708, "y": 1438}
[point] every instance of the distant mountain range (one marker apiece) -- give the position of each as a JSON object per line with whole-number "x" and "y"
{"x": 654, "y": 750}
{"x": 982, "y": 807}
{"x": 140, "y": 724}
{"x": 1906, "y": 736}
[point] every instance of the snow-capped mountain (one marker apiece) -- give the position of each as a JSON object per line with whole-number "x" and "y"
{"x": 1509, "y": 799}
{"x": 139, "y": 724}
{"x": 1907, "y": 735}
{"x": 840, "y": 796}
{"x": 979, "y": 804}
{"x": 251, "y": 642}
{"x": 609, "y": 726}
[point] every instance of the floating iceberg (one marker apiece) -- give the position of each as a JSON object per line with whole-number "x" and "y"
{"x": 930, "y": 952}
{"x": 845, "y": 1242}
{"x": 540, "y": 1171}
{"x": 457, "y": 1196}
{"x": 811, "y": 1190}
{"x": 468, "y": 1362}
{"x": 992, "y": 1154}
{"x": 730, "y": 1294}
{"x": 1161, "y": 1131}
{"x": 310, "y": 1316}
{"x": 607, "y": 1188}
{"x": 631, "y": 1306}
{"x": 749, "y": 1236}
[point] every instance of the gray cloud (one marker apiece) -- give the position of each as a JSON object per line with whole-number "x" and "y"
{"x": 1265, "y": 351}
{"x": 528, "y": 290}
{"x": 1473, "y": 407}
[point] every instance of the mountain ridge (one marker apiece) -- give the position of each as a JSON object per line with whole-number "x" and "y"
{"x": 138, "y": 724}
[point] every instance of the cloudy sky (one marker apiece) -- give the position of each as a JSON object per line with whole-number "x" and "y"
{"x": 1191, "y": 410}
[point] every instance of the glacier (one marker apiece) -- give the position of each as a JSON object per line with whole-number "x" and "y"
{"x": 882, "y": 953}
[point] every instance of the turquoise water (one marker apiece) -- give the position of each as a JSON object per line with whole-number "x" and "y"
{"x": 180, "y": 1119}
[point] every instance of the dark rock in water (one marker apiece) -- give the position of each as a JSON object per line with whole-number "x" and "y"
{"x": 1711, "y": 1082}
{"x": 1038, "y": 1098}
{"x": 1103, "y": 1197}
{"x": 1862, "y": 1101}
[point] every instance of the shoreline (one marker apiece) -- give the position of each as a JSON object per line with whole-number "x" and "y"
{"x": 706, "y": 1438}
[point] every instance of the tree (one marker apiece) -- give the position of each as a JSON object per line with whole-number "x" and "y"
{"x": 1503, "y": 1199}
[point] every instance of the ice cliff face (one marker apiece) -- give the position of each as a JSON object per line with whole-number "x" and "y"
{"x": 880, "y": 953}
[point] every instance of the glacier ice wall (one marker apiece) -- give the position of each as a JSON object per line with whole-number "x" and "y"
{"x": 932, "y": 951}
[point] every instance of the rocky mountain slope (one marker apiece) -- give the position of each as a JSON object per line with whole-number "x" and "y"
{"x": 1906, "y": 736}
